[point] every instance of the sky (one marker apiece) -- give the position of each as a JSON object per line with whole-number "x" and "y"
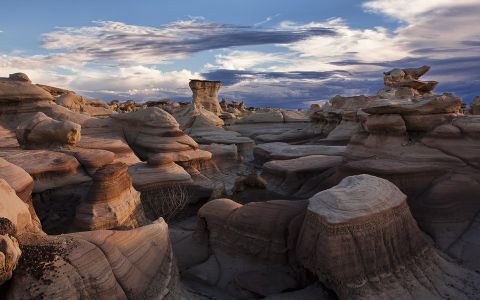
{"x": 267, "y": 53}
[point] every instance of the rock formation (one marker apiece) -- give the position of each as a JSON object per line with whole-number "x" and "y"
{"x": 280, "y": 151}
{"x": 111, "y": 202}
{"x": 205, "y": 94}
{"x": 134, "y": 264}
{"x": 360, "y": 239}
{"x": 475, "y": 106}
{"x": 78, "y": 103}
{"x": 42, "y": 131}
{"x": 405, "y": 83}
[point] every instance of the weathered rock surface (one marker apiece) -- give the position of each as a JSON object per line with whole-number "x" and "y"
{"x": 405, "y": 83}
{"x": 111, "y": 202}
{"x": 298, "y": 175}
{"x": 366, "y": 222}
{"x": 49, "y": 169}
{"x": 134, "y": 264}
{"x": 13, "y": 209}
{"x": 280, "y": 151}
{"x": 42, "y": 131}
{"x": 79, "y": 104}
{"x": 475, "y": 106}
{"x": 17, "y": 178}
{"x": 205, "y": 94}
{"x": 153, "y": 131}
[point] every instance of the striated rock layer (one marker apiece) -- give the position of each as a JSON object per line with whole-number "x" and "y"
{"x": 205, "y": 94}
{"x": 111, "y": 202}
{"x": 134, "y": 264}
{"x": 360, "y": 239}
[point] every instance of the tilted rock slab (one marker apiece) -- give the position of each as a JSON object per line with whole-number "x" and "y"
{"x": 360, "y": 239}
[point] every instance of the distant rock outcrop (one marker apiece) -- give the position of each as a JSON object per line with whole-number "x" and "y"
{"x": 405, "y": 83}
{"x": 205, "y": 94}
{"x": 475, "y": 106}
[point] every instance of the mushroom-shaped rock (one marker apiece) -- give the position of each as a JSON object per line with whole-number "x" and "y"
{"x": 104, "y": 264}
{"x": 205, "y": 94}
{"x": 43, "y": 131}
{"x": 111, "y": 202}
{"x": 360, "y": 239}
{"x": 154, "y": 131}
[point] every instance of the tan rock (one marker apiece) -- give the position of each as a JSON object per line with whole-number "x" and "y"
{"x": 205, "y": 94}
{"x": 280, "y": 151}
{"x": 43, "y": 131}
{"x": 14, "y": 209}
{"x": 111, "y": 202}
{"x": 17, "y": 178}
{"x": 133, "y": 264}
{"x": 9, "y": 254}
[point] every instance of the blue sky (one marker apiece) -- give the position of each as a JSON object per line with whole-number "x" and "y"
{"x": 268, "y": 53}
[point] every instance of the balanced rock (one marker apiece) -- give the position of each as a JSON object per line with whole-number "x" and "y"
{"x": 360, "y": 239}
{"x": 43, "y": 131}
{"x": 111, "y": 202}
{"x": 405, "y": 83}
{"x": 205, "y": 94}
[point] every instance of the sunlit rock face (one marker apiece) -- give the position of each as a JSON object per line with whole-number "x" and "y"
{"x": 111, "y": 202}
{"x": 41, "y": 131}
{"x": 205, "y": 94}
{"x": 360, "y": 239}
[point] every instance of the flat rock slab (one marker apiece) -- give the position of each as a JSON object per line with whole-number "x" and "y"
{"x": 281, "y": 151}
{"x": 145, "y": 176}
{"x": 49, "y": 169}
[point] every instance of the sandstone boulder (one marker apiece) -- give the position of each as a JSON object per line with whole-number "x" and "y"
{"x": 43, "y": 131}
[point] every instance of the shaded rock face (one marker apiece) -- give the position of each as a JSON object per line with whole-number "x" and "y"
{"x": 205, "y": 94}
{"x": 42, "y": 131}
{"x": 111, "y": 202}
{"x": 360, "y": 239}
{"x": 475, "y": 106}
{"x": 134, "y": 264}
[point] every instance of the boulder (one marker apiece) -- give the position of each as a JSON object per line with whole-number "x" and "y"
{"x": 43, "y": 131}
{"x": 14, "y": 210}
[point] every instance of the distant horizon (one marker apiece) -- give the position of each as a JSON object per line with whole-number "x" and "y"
{"x": 268, "y": 54}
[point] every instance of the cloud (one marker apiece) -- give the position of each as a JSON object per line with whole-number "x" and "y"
{"x": 107, "y": 40}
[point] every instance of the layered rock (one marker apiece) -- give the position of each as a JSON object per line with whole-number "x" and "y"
{"x": 360, "y": 239}
{"x": 15, "y": 210}
{"x": 405, "y": 83}
{"x": 78, "y": 103}
{"x": 280, "y": 151}
{"x": 42, "y": 131}
{"x": 154, "y": 132}
{"x": 133, "y": 264}
{"x": 299, "y": 176}
{"x": 49, "y": 169}
{"x": 17, "y": 178}
{"x": 205, "y": 94}
{"x": 111, "y": 202}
